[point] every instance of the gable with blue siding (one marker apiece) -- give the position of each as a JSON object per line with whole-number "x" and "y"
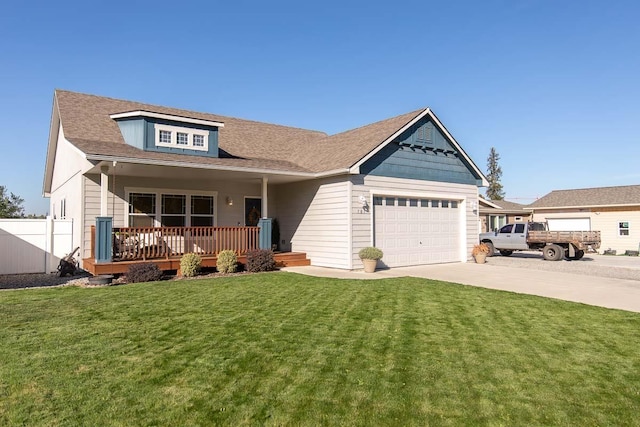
{"x": 421, "y": 152}
{"x": 140, "y": 132}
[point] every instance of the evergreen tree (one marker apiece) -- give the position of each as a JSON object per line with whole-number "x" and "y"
{"x": 494, "y": 173}
{"x": 10, "y": 204}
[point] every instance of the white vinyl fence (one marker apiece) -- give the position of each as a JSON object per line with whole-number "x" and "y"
{"x": 34, "y": 245}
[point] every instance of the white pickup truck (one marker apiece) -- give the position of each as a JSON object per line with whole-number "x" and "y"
{"x": 533, "y": 236}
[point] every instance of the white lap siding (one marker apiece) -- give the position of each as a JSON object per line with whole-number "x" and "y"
{"x": 66, "y": 186}
{"x": 314, "y": 218}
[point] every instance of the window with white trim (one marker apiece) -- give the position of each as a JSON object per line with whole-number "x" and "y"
{"x": 173, "y": 210}
{"x": 142, "y": 209}
{"x": 164, "y": 137}
{"x": 198, "y": 140}
{"x": 623, "y": 228}
{"x": 170, "y": 208}
{"x": 183, "y": 138}
{"x": 180, "y": 137}
{"x": 201, "y": 211}
{"x": 496, "y": 221}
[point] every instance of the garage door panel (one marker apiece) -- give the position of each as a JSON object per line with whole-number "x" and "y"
{"x": 569, "y": 224}
{"x": 413, "y": 235}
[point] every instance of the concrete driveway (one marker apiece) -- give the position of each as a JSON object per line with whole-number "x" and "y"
{"x": 623, "y": 294}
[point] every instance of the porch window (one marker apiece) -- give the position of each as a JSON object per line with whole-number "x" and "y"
{"x": 173, "y": 210}
{"x": 170, "y": 208}
{"x": 202, "y": 211}
{"x": 142, "y": 209}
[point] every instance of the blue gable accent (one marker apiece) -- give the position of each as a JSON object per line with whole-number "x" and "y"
{"x": 140, "y": 132}
{"x": 133, "y": 131}
{"x": 421, "y": 152}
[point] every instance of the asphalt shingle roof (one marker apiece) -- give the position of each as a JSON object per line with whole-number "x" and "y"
{"x": 505, "y": 204}
{"x": 506, "y": 207}
{"x": 601, "y": 196}
{"x": 87, "y": 124}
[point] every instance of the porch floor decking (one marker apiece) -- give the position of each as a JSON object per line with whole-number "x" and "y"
{"x": 283, "y": 259}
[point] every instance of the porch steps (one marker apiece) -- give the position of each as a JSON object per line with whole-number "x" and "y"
{"x": 291, "y": 259}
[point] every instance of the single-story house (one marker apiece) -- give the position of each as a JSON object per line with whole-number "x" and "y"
{"x": 162, "y": 181}
{"x": 614, "y": 211}
{"x": 496, "y": 213}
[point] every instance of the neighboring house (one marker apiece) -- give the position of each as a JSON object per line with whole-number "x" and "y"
{"x": 496, "y": 213}
{"x": 614, "y": 211}
{"x": 171, "y": 181}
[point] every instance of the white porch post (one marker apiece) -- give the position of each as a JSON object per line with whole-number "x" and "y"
{"x": 265, "y": 200}
{"x": 104, "y": 190}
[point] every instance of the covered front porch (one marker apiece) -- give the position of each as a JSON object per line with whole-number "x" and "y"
{"x": 157, "y": 213}
{"x": 114, "y": 250}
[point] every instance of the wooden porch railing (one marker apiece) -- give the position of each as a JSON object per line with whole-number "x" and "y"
{"x": 133, "y": 243}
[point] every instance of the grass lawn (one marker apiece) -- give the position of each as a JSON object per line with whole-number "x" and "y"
{"x": 285, "y": 349}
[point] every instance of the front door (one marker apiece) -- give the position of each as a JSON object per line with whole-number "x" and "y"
{"x": 252, "y": 211}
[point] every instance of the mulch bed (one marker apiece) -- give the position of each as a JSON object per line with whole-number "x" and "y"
{"x": 41, "y": 280}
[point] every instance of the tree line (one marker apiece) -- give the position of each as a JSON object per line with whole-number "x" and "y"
{"x": 11, "y": 205}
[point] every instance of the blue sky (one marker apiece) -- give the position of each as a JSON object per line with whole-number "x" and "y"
{"x": 553, "y": 86}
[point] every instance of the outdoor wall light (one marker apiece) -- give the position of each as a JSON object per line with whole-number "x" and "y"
{"x": 229, "y": 201}
{"x": 365, "y": 204}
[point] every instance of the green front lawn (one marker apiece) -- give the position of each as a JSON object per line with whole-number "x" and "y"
{"x": 285, "y": 349}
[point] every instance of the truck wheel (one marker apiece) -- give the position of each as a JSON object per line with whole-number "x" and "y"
{"x": 492, "y": 249}
{"x": 552, "y": 253}
{"x": 505, "y": 252}
{"x": 560, "y": 255}
{"x": 579, "y": 255}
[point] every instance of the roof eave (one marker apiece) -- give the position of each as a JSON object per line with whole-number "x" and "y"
{"x": 175, "y": 163}
{"x": 488, "y": 202}
{"x": 54, "y": 129}
{"x": 485, "y": 181}
{"x": 183, "y": 119}
{"x": 619, "y": 205}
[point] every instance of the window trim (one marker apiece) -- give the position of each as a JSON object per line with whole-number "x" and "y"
{"x": 129, "y": 214}
{"x": 193, "y": 140}
{"x": 627, "y": 228}
{"x": 174, "y": 137}
{"x": 158, "y": 192}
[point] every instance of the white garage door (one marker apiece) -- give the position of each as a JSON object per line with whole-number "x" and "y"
{"x": 569, "y": 224}
{"x": 413, "y": 231}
